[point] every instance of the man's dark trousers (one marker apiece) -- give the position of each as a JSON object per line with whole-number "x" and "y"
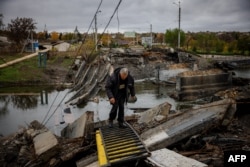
{"x": 119, "y": 103}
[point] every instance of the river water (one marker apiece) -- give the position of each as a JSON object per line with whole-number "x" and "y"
{"x": 21, "y": 105}
{"x": 244, "y": 73}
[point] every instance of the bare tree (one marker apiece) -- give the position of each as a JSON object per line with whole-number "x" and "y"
{"x": 19, "y": 30}
{"x": 1, "y": 21}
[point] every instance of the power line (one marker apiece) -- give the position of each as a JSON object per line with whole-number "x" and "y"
{"x": 76, "y": 55}
{"x": 106, "y": 27}
{"x": 69, "y": 72}
{"x": 107, "y": 24}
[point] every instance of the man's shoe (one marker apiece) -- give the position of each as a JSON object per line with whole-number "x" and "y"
{"x": 122, "y": 125}
{"x": 110, "y": 124}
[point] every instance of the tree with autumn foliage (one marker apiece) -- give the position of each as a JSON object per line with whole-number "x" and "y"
{"x": 106, "y": 40}
{"x": 19, "y": 30}
{"x": 41, "y": 36}
{"x": 54, "y": 36}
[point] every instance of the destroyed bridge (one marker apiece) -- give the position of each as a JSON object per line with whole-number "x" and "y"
{"x": 212, "y": 120}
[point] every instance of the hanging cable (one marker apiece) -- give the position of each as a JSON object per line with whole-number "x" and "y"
{"x": 107, "y": 25}
{"x": 85, "y": 36}
{"x": 77, "y": 52}
{"x": 69, "y": 71}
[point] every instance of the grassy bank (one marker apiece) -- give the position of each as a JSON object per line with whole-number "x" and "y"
{"x": 28, "y": 70}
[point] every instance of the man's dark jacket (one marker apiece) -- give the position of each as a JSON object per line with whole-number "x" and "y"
{"x": 113, "y": 82}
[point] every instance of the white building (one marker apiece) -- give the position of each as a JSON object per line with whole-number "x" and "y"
{"x": 59, "y": 46}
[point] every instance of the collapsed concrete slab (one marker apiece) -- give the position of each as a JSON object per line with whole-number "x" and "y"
{"x": 189, "y": 123}
{"x": 191, "y": 85}
{"x": 46, "y": 145}
{"x": 80, "y": 127}
{"x": 168, "y": 158}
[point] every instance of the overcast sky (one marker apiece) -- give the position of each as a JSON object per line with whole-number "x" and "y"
{"x": 134, "y": 15}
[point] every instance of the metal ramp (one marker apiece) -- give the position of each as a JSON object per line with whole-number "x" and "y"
{"x": 116, "y": 146}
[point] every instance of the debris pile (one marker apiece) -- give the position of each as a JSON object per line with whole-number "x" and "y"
{"x": 202, "y": 132}
{"x": 37, "y": 146}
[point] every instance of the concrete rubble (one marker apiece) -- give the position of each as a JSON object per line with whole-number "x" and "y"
{"x": 158, "y": 113}
{"x": 46, "y": 145}
{"x": 81, "y": 127}
{"x": 37, "y": 146}
{"x": 167, "y": 158}
{"x": 185, "y": 137}
{"x": 188, "y": 123}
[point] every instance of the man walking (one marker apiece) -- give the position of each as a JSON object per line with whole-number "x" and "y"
{"x": 117, "y": 87}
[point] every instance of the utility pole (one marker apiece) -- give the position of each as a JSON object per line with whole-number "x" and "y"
{"x": 93, "y": 34}
{"x": 96, "y": 30}
{"x": 179, "y": 23}
{"x": 151, "y": 36}
{"x": 108, "y": 38}
{"x": 179, "y": 33}
{"x": 32, "y": 41}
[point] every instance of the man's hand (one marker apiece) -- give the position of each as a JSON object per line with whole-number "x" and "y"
{"x": 132, "y": 99}
{"x": 112, "y": 100}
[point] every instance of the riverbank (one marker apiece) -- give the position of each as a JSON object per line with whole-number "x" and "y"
{"x": 28, "y": 72}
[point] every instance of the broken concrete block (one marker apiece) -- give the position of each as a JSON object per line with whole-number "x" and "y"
{"x": 29, "y": 133}
{"x": 46, "y": 145}
{"x": 79, "y": 127}
{"x": 160, "y": 118}
{"x": 168, "y": 158}
{"x": 156, "y": 113}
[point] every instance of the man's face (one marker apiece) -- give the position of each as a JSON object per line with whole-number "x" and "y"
{"x": 123, "y": 76}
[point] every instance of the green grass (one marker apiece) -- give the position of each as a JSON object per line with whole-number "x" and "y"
{"x": 28, "y": 70}
{"x": 25, "y": 70}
